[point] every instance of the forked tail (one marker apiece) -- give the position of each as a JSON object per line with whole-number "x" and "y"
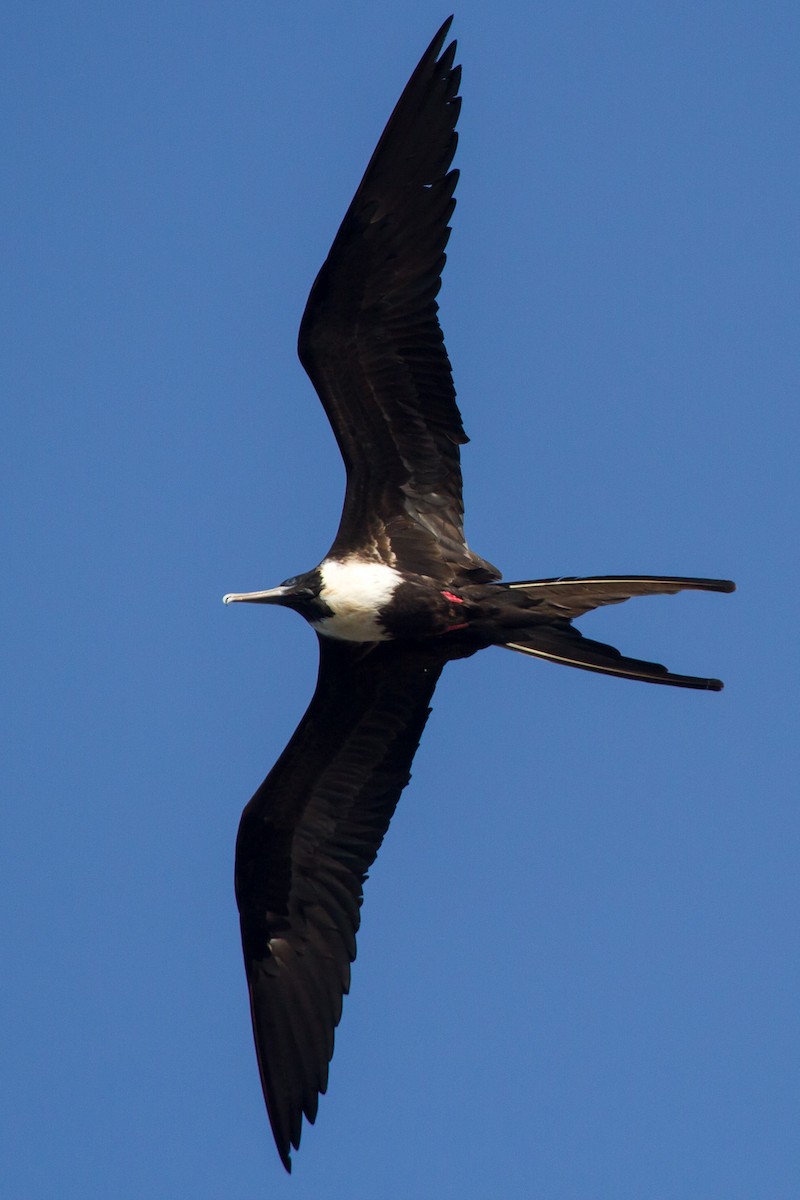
{"x": 562, "y": 599}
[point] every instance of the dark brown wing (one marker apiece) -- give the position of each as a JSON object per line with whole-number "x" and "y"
{"x": 371, "y": 343}
{"x": 306, "y": 841}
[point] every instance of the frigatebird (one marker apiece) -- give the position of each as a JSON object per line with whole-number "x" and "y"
{"x": 398, "y": 595}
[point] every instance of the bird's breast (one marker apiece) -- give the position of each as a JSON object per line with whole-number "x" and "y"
{"x": 355, "y": 593}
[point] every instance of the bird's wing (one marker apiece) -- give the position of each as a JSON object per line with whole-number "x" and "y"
{"x": 306, "y": 841}
{"x": 372, "y": 345}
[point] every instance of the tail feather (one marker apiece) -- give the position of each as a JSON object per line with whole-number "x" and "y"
{"x": 573, "y": 597}
{"x": 568, "y": 646}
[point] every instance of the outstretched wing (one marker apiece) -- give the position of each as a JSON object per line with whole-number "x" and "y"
{"x": 306, "y": 841}
{"x": 371, "y": 343}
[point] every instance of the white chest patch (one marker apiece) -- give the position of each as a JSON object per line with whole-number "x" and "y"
{"x": 356, "y": 591}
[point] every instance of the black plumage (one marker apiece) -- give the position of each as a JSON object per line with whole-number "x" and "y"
{"x": 306, "y": 841}
{"x": 398, "y": 596}
{"x": 371, "y": 342}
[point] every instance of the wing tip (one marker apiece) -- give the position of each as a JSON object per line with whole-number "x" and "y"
{"x": 441, "y": 33}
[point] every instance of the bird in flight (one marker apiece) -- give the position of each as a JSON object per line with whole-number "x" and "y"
{"x": 398, "y": 595}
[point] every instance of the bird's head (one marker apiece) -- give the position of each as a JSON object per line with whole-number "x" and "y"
{"x": 301, "y": 593}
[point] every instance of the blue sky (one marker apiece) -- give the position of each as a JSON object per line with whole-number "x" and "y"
{"x": 578, "y": 966}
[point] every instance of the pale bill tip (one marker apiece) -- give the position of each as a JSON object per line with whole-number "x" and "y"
{"x": 271, "y": 594}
